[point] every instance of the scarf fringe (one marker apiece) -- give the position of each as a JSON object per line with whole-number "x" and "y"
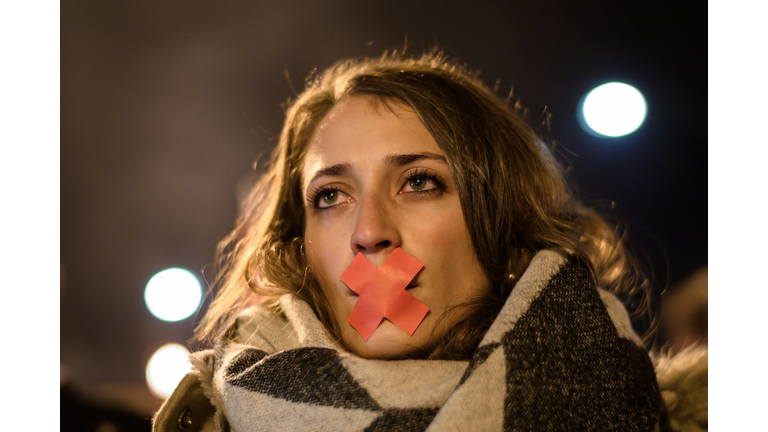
{"x": 683, "y": 383}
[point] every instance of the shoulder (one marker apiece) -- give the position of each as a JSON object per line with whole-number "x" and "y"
{"x": 188, "y": 409}
{"x": 195, "y": 405}
{"x": 264, "y": 329}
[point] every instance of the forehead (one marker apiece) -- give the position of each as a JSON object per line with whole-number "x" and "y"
{"x": 363, "y": 130}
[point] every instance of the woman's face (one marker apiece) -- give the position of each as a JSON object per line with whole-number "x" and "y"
{"x": 374, "y": 180}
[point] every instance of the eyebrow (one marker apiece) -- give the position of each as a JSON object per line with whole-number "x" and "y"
{"x": 334, "y": 170}
{"x": 390, "y": 159}
{"x": 405, "y": 159}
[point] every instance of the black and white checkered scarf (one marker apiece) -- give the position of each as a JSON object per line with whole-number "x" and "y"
{"x": 561, "y": 355}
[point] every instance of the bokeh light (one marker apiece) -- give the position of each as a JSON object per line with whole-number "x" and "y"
{"x": 612, "y": 110}
{"x": 166, "y": 368}
{"x": 173, "y": 294}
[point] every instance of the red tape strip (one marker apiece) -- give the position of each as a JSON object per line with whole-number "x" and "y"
{"x": 382, "y": 293}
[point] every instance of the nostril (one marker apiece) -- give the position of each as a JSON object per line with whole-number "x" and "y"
{"x": 384, "y": 243}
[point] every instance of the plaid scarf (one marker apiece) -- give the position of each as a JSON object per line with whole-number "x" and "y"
{"x": 561, "y": 355}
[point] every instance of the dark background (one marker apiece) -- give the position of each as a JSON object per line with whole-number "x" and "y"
{"x": 166, "y": 105}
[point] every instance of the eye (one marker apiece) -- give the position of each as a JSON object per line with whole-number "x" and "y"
{"x": 418, "y": 183}
{"x": 422, "y": 182}
{"x": 329, "y": 197}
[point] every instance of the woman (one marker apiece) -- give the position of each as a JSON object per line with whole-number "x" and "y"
{"x": 414, "y": 260}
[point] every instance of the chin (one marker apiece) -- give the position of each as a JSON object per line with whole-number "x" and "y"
{"x": 388, "y": 342}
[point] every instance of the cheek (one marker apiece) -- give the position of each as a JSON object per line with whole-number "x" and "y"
{"x": 322, "y": 257}
{"x": 448, "y": 246}
{"x": 315, "y": 258}
{"x": 325, "y": 265}
{"x": 445, "y": 234}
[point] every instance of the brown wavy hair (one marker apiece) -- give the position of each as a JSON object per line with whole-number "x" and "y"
{"x": 514, "y": 196}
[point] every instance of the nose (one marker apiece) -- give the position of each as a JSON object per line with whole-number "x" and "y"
{"x": 375, "y": 227}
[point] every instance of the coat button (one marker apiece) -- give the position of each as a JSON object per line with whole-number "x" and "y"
{"x": 185, "y": 419}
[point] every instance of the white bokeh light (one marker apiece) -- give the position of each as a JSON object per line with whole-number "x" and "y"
{"x": 173, "y": 294}
{"x": 166, "y": 368}
{"x": 613, "y": 110}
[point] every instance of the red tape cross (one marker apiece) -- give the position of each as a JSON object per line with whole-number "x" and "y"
{"x": 382, "y": 293}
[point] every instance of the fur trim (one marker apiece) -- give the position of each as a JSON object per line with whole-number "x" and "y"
{"x": 683, "y": 383}
{"x": 202, "y": 364}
